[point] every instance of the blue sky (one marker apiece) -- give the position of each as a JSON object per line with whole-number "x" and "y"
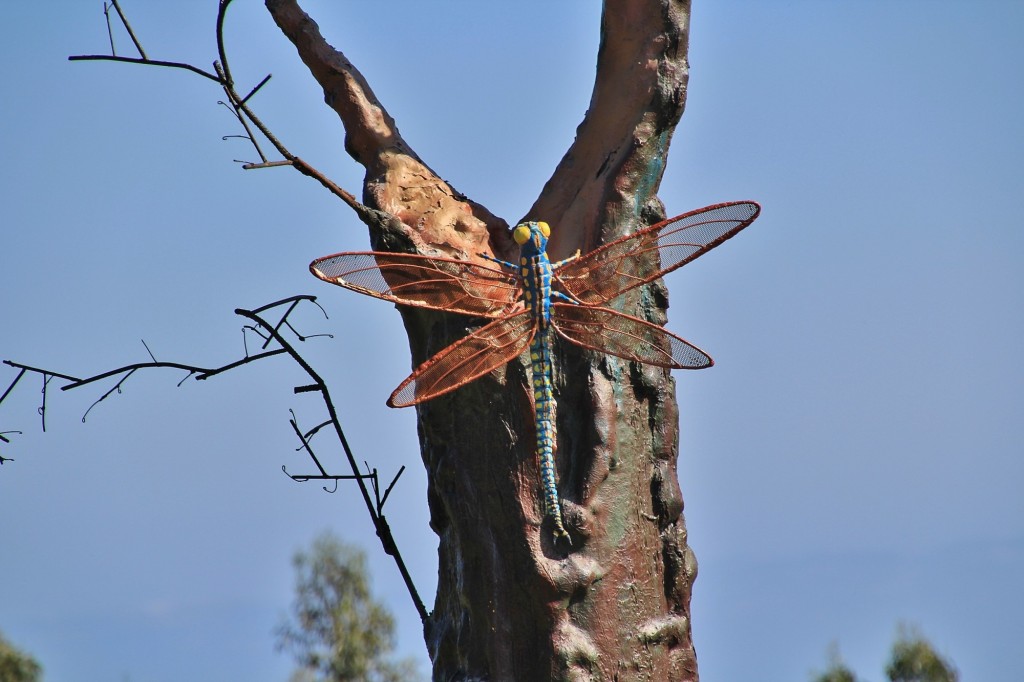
{"x": 852, "y": 461}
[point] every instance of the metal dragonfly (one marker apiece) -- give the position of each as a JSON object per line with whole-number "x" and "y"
{"x": 528, "y": 311}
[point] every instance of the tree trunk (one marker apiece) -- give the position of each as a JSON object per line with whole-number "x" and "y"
{"x": 511, "y": 604}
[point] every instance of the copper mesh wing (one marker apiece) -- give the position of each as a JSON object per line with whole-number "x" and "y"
{"x": 612, "y": 332}
{"x": 636, "y": 259}
{"x": 483, "y": 351}
{"x": 424, "y": 281}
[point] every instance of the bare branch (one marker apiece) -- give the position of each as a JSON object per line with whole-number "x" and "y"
{"x": 390, "y": 487}
{"x": 127, "y": 27}
{"x": 269, "y": 164}
{"x": 312, "y": 432}
{"x": 110, "y": 30}
{"x": 271, "y": 331}
{"x": 236, "y": 108}
{"x": 117, "y": 387}
{"x": 305, "y": 444}
{"x": 222, "y": 53}
{"x": 42, "y": 408}
{"x": 239, "y": 106}
{"x": 5, "y": 439}
{"x": 379, "y": 521}
{"x": 141, "y": 60}
{"x": 256, "y": 89}
{"x": 37, "y": 371}
{"x": 200, "y": 372}
{"x": 13, "y": 383}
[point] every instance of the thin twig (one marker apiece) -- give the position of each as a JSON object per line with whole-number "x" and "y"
{"x": 390, "y": 487}
{"x": 148, "y": 350}
{"x": 30, "y": 368}
{"x": 42, "y": 408}
{"x": 222, "y": 54}
{"x": 305, "y": 445}
{"x": 280, "y": 322}
{"x": 232, "y": 96}
{"x": 268, "y": 164}
{"x": 297, "y": 297}
{"x": 13, "y": 384}
{"x": 374, "y": 504}
{"x": 138, "y": 60}
{"x": 128, "y": 27}
{"x": 379, "y": 521}
{"x": 241, "y": 108}
{"x": 302, "y": 478}
{"x": 200, "y": 372}
{"x": 117, "y": 387}
{"x": 256, "y": 89}
{"x": 223, "y": 70}
{"x": 110, "y": 30}
{"x": 313, "y": 431}
{"x": 201, "y": 376}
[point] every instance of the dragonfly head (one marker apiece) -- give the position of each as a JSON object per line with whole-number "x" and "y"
{"x": 532, "y": 237}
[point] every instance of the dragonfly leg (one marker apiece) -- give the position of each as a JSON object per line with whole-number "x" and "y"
{"x": 505, "y": 263}
{"x": 565, "y": 297}
{"x": 566, "y": 260}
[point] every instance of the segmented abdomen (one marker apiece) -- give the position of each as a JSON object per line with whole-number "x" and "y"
{"x": 540, "y": 355}
{"x": 535, "y": 274}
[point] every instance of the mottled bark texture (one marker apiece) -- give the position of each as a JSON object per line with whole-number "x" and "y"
{"x": 511, "y": 604}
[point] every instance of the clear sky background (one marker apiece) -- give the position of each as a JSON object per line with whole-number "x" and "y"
{"x": 853, "y": 460}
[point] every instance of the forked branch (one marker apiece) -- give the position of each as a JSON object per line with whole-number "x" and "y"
{"x": 271, "y": 332}
{"x": 238, "y": 104}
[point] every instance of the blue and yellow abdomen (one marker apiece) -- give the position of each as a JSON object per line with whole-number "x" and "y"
{"x": 535, "y": 274}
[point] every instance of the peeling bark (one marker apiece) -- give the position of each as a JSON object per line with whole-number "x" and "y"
{"x": 510, "y": 604}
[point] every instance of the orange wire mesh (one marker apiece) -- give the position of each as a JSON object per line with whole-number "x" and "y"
{"x": 484, "y": 350}
{"x": 636, "y": 259}
{"x": 428, "y": 282}
{"x": 625, "y": 336}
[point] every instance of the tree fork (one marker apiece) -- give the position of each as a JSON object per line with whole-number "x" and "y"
{"x": 511, "y": 605}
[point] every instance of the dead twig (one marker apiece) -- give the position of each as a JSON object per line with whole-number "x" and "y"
{"x": 237, "y": 104}
{"x": 271, "y": 331}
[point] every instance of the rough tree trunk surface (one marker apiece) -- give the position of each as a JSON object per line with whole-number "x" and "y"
{"x": 512, "y": 605}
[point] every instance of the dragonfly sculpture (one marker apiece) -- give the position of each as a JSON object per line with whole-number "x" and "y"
{"x": 533, "y": 300}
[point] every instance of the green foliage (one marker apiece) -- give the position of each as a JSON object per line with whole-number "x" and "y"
{"x": 837, "y": 671}
{"x": 16, "y": 665}
{"x": 915, "y": 660}
{"x": 338, "y": 632}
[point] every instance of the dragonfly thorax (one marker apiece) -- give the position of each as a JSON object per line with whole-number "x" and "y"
{"x": 534, "y": 269}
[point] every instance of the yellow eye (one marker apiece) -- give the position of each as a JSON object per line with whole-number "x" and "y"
{"x": 545, "y": 229}
{"x": 521, "y": 234}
